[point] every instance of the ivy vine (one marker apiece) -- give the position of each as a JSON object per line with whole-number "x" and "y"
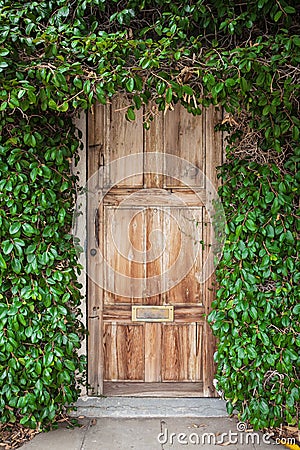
{"x": 60, "y": 56}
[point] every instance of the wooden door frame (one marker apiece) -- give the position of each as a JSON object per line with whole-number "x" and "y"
{"x": 93, "y": 318}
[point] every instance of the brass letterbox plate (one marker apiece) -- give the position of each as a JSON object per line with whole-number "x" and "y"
{"x": 153, "y": 313}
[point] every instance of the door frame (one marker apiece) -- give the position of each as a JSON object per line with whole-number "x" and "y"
{"x": 93, "y": 319}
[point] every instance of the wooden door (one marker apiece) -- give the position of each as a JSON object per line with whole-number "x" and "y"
{"x": 149, "y": 236}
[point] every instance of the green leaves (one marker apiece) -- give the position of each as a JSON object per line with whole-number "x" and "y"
{"x": 269, "y": 197}
{"x": 258, "y": 291}
{"x": 14, "y": 228}
{"x": 38, "y": 301}
{"x": 77, "y": 82}
{"x": 4, "y": 51}
{"x": 7, "y": 247}
{"x": 169, "y": 95}
{"x": 264, "y": 407}
{"x": 3, "y": 264}
{"x": 130, "y": 84}
{"x": 28, "y": 229}
{"x": 160, "y": 87}
{"x": 296, "y": 41}
{"x": 217, "y": 89}
{"x": 56, "y": 57}
{"x": 29, "y": 139}
{"x": 48, "y": 358}
{"x": 130, "y": 115}
{"x": 16, "y": 265}
{"x": 296, "y": 309}
{"x": 187, "y": 90}
{"x": 289, "y": 9}
{"x": 250, "y": 225}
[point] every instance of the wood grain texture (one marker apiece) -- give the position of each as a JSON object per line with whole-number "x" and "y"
{"x": 95, "y": 264}
{"x": 149, "y": 224}
{"x": 154, "y": 143}
{"x": 185, "y": 229}
{"x": 154, "y": 221}
{"x": 124, "y": 353}
{"x": 98, "y": 136}
{"x": 182, "y": 313}
{"x": 172, "y": 389}
{"x": 213, "y": 144}
{"x": 125, "y": 138}
{"x": 153, "y": 352}
{"x": 155, "y": 197}
{"x": 124, "y": 252}
{"x": 184, "y": 138}
{"x": 209, "y": 347}
{"x": 182, "y": 352}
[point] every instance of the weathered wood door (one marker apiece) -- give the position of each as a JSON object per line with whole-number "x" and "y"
{"x": 148, "y": 239}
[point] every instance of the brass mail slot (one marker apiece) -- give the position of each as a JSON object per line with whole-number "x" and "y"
{"x": 153, "y": 313}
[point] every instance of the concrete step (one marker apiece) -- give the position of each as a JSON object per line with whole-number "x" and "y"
{"x": 135, "y": 407}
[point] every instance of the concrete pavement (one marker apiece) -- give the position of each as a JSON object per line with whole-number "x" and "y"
{"x": 151, "y": 434}
{"x": 112, "y": 430}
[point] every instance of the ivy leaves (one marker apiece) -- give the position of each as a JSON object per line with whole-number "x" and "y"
{"x": 39, "y": 296}
{"x": 255, "y": 315}
{"x": 58, "y": 56}
{"x": 90, "y": 63}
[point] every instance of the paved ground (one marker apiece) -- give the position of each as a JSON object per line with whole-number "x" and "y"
{"x": 107, "y": 433}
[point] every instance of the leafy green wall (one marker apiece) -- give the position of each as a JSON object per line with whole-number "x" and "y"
{"x": 58, "y": 56}
{"x": 256, "y": 313}
{"x": 40, "y": 332}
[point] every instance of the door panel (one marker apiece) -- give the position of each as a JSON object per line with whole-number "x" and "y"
{"x": 155, "y": 244}
{"x": 184, "y": 138}
{"x": 183, "y": 256}
{"x": 181, "y": 349}
{"x": 153, "y": 240}
{"x": 146, "y": 245}
{"x": 124, "y": 138}
{"x": 124, "y": 249}
{"x": 153, "y": 352}
{"x": 123, "y": 353}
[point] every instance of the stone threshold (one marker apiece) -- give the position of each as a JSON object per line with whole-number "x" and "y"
{"x": 134, "y": 407}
